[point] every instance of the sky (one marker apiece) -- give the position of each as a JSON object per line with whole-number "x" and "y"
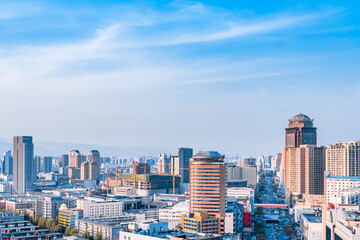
{"x": 157, "y": 75}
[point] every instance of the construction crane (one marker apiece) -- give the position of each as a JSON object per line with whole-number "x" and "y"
{"x": 116, "y": 176}
{"x": 107, "y": 185}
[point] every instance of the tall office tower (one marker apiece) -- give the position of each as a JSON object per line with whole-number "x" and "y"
{"x": 75, "y": 159}
{"x": 37, "y": 161}
{"x": 23, "y": 176}
{"x": 184, "y": 156}
{"x": 94, "y": 171}
{"x": 94, "y": 156}
{"x": 64, "y": 160}
{"x": 305, "y": 171}
{"x": 208, "y": 183}
{"x": 300, "y": 131}
{"x": 46, "y": 164}
{"x": 164, "y": 163}
{"x": 84, "y": 170}
{"x": 7, "y": 164}
{"x": 343, "y": 159}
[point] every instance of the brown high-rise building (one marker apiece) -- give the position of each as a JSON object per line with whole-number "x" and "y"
{"x": 300, "y": 131}
{"x": 208, "y": 183}
{"x": 303, "y": 162}
{"x": 305, "y": 171}
{"x": 94, "y": 156}
{"x": 75, "y": 159}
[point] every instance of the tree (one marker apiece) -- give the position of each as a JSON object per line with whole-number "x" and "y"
{"x": 86, "y": 235}
{"x": 288, "y": 230}
{"x": 98, "y": 236}
{"x": 67, "y": 231}
{"x": 42, "y": 222}
{"x": 36, "y": 220}
{"x": 73, "y": 231}
{"x": 260, "y": 211}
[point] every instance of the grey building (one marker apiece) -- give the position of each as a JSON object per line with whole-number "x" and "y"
{"x": 63, "y": 160}
{"x": 46, "y": 164}
{"x": 184, "y": 155}
{"x": 7, "y": 164}
{"x": 23, "y": 164}
{"x": 37, "y": 160}
{"x": 246, "y": 173}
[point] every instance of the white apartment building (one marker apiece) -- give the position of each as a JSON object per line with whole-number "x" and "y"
{"x": 125, "y": 191}
{"x": 107, "y": 229}
{"x": 98, "y": 208}
{"x": 337, "y": 186}
{"x": 172, "y": 215}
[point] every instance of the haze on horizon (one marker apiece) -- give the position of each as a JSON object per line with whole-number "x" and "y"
{"x": 209, "y": 75}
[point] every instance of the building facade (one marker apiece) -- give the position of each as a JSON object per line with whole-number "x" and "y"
{"x": 343, "y": 159}
{"x": 23, "y": 164}
{"x": 208, "y": 183}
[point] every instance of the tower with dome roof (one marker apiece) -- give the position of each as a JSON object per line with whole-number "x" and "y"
{"x": 300, "y": 131}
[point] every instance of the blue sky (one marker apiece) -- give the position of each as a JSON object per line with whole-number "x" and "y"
{"x": 212, "y": 75}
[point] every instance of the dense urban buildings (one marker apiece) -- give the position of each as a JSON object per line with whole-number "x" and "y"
{"x": 23, "y": 165}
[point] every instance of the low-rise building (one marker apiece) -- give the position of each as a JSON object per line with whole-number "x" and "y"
{"x": 311, "y": 226}
{"x": 48, "y": 207}
{"x": 108, "y": 229}
{"x": 201, "y": 222}
{"x": 173, "y": 214}
{"x": 342, "y": 222}
{"x": 94, "y": 207}
{"x": 68, "y": 216}
{"x": 25, "y": 230}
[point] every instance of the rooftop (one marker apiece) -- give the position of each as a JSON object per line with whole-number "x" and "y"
{"x": 312, "y": 218}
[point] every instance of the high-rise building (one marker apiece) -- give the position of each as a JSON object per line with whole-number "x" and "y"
{"x": 46, "y": 164}
{"x": 300, "y": 131}
{"x": 246, "y": 161}
{"x": 7, "y": 164}
{"x": 208, "y": 183}
{"x": 75, "y": 159}
{"x": 94, "y": 156}
{"x": 305, "y": 171}
{"x": 164, "y": 163}
{"x": 184, "y": 155}
{"x": 23, "y": 171}
{"x": 63, "y": 160}
{"x": 343, "y": 159}
{"x": 84, "y": 170}
{"x": 37, "y": 161}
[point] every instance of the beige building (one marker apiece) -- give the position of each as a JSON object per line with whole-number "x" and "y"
{"x": 208, "y": 183}
{"x": 89, "y": 171}
{"x": 343, "y": 159}
{"x": 305, "y": 171}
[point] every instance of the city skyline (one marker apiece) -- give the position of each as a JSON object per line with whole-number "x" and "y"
{"x": 160, "y": 76}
